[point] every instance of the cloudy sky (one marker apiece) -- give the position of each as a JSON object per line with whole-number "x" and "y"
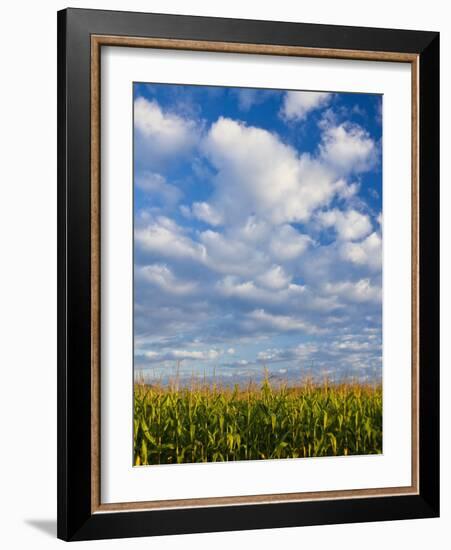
{"x": 257, "y": 233}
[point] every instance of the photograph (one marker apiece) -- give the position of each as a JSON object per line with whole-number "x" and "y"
{"x": 257, "y": 273}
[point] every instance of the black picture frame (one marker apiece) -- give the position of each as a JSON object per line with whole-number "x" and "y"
{"x": 75, "y": 518}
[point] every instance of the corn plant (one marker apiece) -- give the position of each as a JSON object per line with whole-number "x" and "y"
{"x": 208, "y": 423}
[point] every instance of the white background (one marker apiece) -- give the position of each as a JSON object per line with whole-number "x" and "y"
{"x": 120, "y": 482}
{"x": 28, "y": 274}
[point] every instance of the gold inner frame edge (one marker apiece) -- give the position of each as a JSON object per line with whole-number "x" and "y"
{"x": 97, "y": 41}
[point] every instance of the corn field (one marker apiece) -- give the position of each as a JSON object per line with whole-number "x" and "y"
{"x": 210, "y": 424}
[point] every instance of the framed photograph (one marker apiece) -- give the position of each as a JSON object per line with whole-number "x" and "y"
{"x": 248, "y": 274}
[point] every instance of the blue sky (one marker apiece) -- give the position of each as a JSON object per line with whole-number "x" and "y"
{"x": 257, "y": 233}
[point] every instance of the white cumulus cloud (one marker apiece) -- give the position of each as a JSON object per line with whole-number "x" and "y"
{"x": 257, "y": 174}
{"x": 350, "y": 225}
{"x": 282, "y": 322}
{"x": 165, "y": 237}
{"x": 162, "y": 277}
{"x": 181, "y": 354}
{"x": 206, "y": 213}
{"x": 297, "y": 105}
{"x": 275, "y": 278}
{"x": 367, "y": 252}
{"x": 355, "y": 291}
{"x": 156, "y": 186}
{"x": 286, "y": 243}
{"x": 348, "y": 148}
{"x": 161, "y": 135}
